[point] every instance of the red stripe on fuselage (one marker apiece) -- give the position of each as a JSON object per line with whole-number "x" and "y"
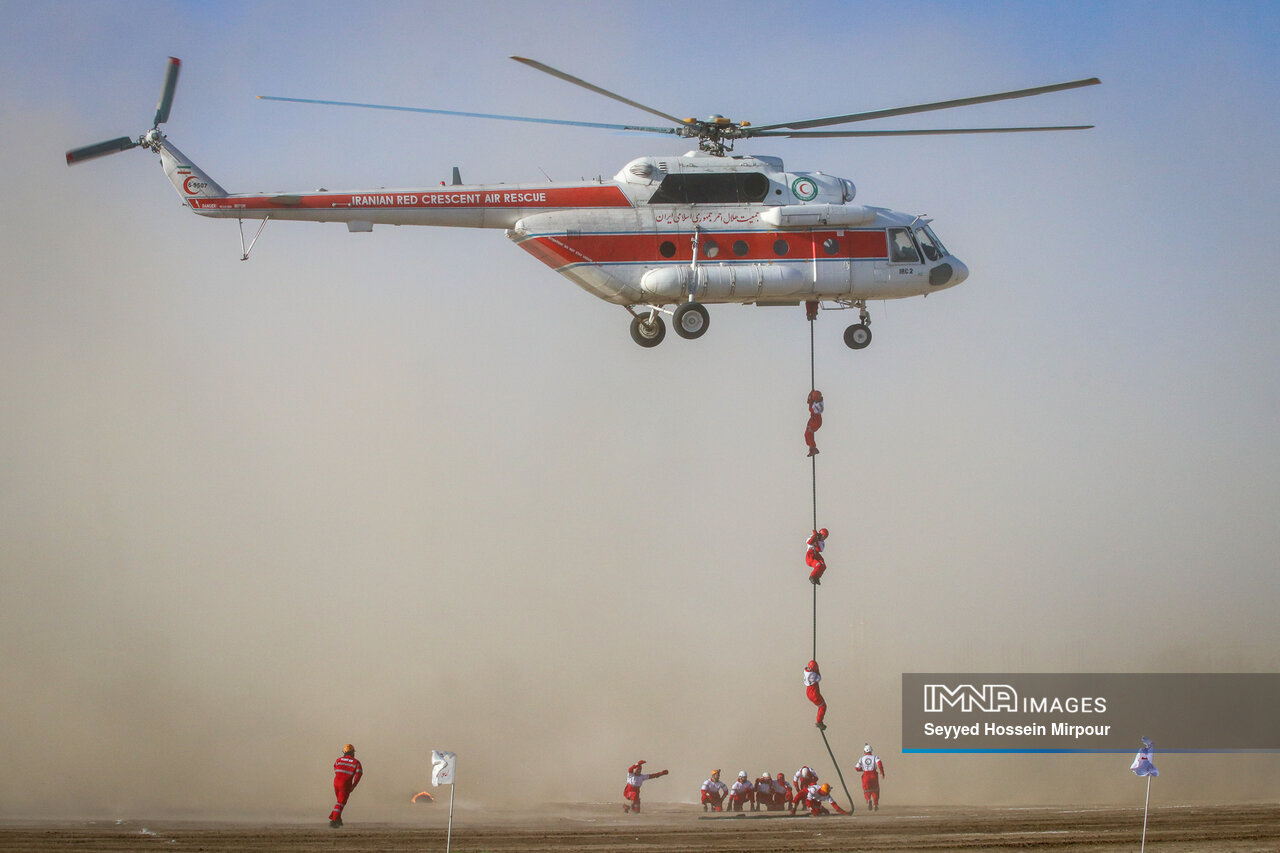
{"x": 459, "y": 197}
{"x": 561, "y": 250}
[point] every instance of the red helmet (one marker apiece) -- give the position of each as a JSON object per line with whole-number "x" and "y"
{"x": 814, "y": 396}
{"x": 812, "y": 666}
{"x": 823, "y": 533}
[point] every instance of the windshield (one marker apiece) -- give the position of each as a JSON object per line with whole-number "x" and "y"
{"x": 930, "y": 244}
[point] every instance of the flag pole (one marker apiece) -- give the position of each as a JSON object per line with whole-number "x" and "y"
{"x": 448, "y": 839}
{"x": 1145, "y": 806}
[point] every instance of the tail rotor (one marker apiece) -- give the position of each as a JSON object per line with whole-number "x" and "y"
{"x": 151, "y": 139}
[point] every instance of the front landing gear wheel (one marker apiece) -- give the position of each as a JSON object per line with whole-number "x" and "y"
{"x": 857, "y": 336}
{"x": 690, "y": 320}
{"x": 648, "y": 331}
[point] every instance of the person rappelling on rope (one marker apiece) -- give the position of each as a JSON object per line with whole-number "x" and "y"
{"x": 815, "y": 420}
{"x": 814, "y": 546}
{"x": 811, "y": 679}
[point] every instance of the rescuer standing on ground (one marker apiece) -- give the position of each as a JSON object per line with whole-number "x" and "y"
{"x": 635, "y": 778}
{"x": 872, "y": 772}
{"x": 346, "y": 775}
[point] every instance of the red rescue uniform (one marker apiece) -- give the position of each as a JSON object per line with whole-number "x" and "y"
{"x": 813, "y": 558}
{"x": 811, "y": 679}
{"x": 346, "y": 775}
{"x": 631, "y": 793}
{"x": 872, "y": 769}
{"x": 815, "y": 420}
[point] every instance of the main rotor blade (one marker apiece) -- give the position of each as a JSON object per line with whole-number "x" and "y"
{"x": 793, "y": 134}
{"x": 470, "y": 115}
{"x": 577, "y": 81}
{"x": 166, "y": 94}
{"x": 939, "y": 105}
{"x": 101, "y": 149}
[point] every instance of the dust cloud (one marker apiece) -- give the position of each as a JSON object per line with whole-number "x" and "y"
{"x": 414, "y": 492}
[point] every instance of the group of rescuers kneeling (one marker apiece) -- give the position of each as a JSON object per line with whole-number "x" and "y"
{"x": 769, "y": 793}
{"x": 772, "y": 793}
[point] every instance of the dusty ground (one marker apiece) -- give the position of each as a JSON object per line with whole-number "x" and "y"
{"x": 682, "y": 828}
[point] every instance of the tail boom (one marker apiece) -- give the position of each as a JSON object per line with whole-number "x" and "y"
{"x": 475, "y": 206}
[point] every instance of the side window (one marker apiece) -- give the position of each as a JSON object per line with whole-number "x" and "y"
{"x": 901, "y": 249}
{"x": 713, "y": 188}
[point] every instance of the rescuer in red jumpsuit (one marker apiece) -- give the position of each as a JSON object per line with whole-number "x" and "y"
{"x": 804, "y": 778}
{"x": 813, "y": 558}
{"x": 346, "y": 775}
{"x": 811, "y": 679}
{"x": 872, "y": 769}
{"x": 815, "y": 420}
{"x": 818, "y": 795}
{"x": 635, "y": 778}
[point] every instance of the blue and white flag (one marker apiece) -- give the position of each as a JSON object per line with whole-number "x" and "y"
{"x": 442, "y": 767}
{"x": 1142, "y": 765}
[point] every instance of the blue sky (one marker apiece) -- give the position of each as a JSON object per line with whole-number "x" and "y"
{"x": 418, "y": 468}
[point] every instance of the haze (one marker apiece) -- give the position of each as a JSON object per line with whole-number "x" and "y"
{"x": 413, "y": 490}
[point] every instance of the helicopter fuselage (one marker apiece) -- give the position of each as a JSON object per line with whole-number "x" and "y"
{"x": 662, "y": 231}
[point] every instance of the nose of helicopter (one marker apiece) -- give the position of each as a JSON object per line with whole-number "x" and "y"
{"x": 949, "y": 273}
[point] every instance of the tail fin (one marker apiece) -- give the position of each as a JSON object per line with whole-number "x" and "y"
{"x": 187, "y": 178}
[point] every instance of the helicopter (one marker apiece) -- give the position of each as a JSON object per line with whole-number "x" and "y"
{"x": 666, "y": 235}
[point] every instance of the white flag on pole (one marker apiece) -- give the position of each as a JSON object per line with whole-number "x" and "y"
{"x": 442, "y": 767}
{"x": 1142, "y": 765}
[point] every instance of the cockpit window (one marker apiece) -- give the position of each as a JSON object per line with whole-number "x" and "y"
{"x": 936, "y": 241}
{"x": 722, "y": 188}
{"x": 901, "y": 249}
{"x": 931, "y": 248}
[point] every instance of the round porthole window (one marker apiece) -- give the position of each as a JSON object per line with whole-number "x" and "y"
{"x": 667, "y": 249}
{"x": 780, "y": 247}
{"x": 711, "y": 248}
{"x": 830, "y": 245}
{"x": 740, "y": 248}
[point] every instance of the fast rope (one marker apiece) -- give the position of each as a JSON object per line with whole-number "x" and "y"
{"x": 812, "y": 312}
{"x": 813, "y": 471}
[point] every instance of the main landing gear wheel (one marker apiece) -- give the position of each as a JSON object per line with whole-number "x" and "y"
{"x": 690, "y": 320}
{"x": 857, "y": 336}
{"x": 648, "y": 331}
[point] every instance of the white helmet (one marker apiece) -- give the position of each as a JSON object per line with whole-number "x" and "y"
{"x": 866, "y": 748}
{"x": 742, "y": 774}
